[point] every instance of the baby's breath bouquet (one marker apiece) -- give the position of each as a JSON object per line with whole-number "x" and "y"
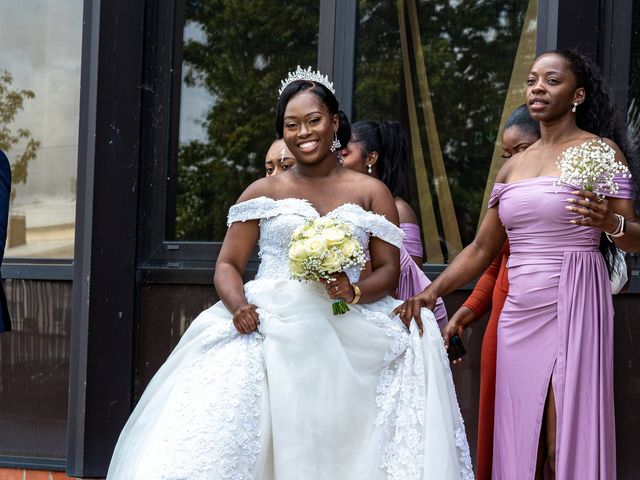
{"x": 591, "y": 166}
{"x": 321, "y": 247}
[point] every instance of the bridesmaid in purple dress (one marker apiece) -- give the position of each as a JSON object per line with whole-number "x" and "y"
{"x": 554, "y": 415}
{"x": 382, "y": 151}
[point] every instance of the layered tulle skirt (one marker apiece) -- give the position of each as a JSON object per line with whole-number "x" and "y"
{"x": 309, "y": 396}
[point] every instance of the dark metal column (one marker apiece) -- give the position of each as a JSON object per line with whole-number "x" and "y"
{"x": 104, "y": 268}
{"x": 336, "y": 47}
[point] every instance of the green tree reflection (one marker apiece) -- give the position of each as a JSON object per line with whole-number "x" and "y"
{"x": 11, "y": 103}
{"x": 249, "y": 47}
{"x": 469, "y": 49}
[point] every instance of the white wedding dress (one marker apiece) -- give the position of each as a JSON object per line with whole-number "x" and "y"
{"x": 310, "y": 396}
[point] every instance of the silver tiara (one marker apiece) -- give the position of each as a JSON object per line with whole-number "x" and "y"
{"x": 306, "y": 74}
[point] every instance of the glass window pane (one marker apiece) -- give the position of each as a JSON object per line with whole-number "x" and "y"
{"x": 451, "y": 72}
{"x": 234, "y": 59}
{"x": 34, "y": 370}
{"x": 39, "y": 101}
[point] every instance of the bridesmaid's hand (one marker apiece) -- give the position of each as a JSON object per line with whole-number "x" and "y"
{"x": 456, "y": 325}
{"x": 339, "y": 287}
{"x": 594, "y": 211}
{"x": 246, "y": 319}
{"x": 411, "y": 308}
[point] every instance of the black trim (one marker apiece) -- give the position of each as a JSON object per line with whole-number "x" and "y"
{"x": 615, "y": 46}
{"x": 547, "y": 26}
{"x": 32, "y": 463}
{"x": 103, "y": 315}
{"x": 336, "y": 48}
{"x": 326, "y": 37}
{"x": 38, "y": 269}
{"x": 344, "y": 53}
{"x": 160, "y": 121}
{"x": 201, "y": 273}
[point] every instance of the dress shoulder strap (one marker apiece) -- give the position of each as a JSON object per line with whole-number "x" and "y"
{"x": 253, "y": 209}
{"x": 496, "y": 192}
{"x": 372, "y": 223}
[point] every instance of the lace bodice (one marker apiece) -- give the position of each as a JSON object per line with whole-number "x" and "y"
{"x": 279, "y": 218}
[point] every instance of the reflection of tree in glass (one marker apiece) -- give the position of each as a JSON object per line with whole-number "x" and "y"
{"x": 249, "y": 48}
{"x": 469, "y": 49}
{"x": 11, "y": 102}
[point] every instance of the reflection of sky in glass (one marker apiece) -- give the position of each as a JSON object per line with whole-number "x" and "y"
{"x": 41, "y": 48}
{"x": 195, "y": 101}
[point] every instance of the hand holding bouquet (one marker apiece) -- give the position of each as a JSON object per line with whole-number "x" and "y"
{"x": 321, "y": 247}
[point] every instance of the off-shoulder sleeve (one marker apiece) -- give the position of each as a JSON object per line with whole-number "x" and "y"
{"x": 494, "y": 198}
{"x": 380, "y": 227}
{"x": 253, "y": 209}
{"x": 412, "y": 241}
{"x": 372, "y": 223}
{"x": 626, "y": 188}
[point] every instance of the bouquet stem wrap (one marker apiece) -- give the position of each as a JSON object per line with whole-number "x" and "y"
{"x": 340, "y": 307}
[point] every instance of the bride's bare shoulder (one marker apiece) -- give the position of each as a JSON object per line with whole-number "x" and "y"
{"x": 263, "y": 187}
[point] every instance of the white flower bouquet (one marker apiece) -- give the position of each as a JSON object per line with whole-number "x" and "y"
{"x": 591, "y": 166}
{"x": 321, "y": 247}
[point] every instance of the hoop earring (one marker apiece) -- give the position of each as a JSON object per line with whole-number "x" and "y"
{"x": 575, "y": 105}
{"x": 369, "y": 169}
{"x": 335, "y": 145}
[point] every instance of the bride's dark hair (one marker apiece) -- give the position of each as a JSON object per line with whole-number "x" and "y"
{"x": 325, "y": 96}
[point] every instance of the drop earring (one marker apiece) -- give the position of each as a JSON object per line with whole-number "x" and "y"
{"x": 575, "y": 105}
{"x": 335, "y": 145}
{"x": 369, "y": 169}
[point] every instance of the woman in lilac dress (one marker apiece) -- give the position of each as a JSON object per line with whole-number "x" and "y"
{"x": 382, "y": 151}
{"x": 554, "y": 412}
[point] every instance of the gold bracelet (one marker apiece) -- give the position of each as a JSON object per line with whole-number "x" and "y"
{"x": 356, "y": 294}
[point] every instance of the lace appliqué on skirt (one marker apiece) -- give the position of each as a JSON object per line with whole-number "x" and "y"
{"x": 400, "y": 399}
{"x": 227, "y": 427}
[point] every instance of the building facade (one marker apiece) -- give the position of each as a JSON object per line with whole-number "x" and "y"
{"x": 133, "y": 126}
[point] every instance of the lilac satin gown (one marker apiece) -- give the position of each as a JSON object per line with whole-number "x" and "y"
{"x": 412, "y": 278}
{"x": 556, "y": 326}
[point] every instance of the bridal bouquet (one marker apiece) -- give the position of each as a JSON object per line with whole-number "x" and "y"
{"x": 591, "y": 166}
{"x": 321, "y": 247}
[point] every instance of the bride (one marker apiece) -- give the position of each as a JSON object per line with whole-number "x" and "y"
{"x": 268, "y": 383}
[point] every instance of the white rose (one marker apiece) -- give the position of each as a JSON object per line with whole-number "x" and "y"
{"x": 297, "y": 251}
{"x": 349, "y": 248}
{"x": 296, "y": 268}
{"x": 333, "y": 235}
{"x": 332, "y": 262}
{"x": 315, "y": 246}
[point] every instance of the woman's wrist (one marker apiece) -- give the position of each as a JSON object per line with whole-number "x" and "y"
{"x": 618, "y": 230}
{"x": 356, "y": 294}
{"x": 464, "y": 316}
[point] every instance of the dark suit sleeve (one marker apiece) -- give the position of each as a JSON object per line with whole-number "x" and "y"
{"x": 5, "y": 192}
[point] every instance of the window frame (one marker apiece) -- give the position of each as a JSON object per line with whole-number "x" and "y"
{"x": 169, "y": 261}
